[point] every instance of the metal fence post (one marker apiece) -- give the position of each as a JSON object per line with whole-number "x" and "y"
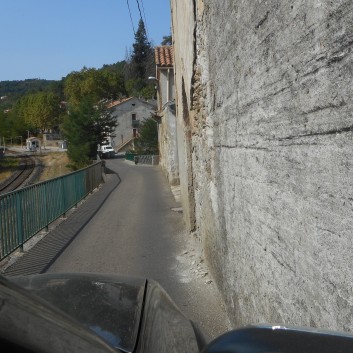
{"x": 63, "y": 197}
{"x": 46, "y": 207}
{"x": 19, "y": 220}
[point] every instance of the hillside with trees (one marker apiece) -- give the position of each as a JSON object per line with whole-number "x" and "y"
{"x": 16, "y": 89}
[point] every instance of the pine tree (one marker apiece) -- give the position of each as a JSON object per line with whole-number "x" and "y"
{"x": 85, "y": 127}
{"x": 140, "y": 65}
{"x": 142, "y": 56}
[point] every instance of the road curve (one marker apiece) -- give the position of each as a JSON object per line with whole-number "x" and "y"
{"x": 137, "y": 233}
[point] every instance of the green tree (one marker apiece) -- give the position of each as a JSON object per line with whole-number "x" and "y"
{"x": 167, "y": 40}
{"x": 5, "y": 129}
{"x": 99, "y": 84}
{"x": 114, "y": 83}
{"x": 147, "y": 141}
{"x": 85, "y": 127}
{"x": 140, "y": 64}
{"x": 39, "y": 110}
{"x": 15, "y": 125}
{"x": 142, "y": 55}
{"x": 76, "y": 85}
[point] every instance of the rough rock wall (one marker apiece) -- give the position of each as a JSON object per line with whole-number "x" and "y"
{"x": 269, "y": 129}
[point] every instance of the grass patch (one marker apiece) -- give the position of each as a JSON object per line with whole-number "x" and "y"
{"x": 7, "y": 166}
{"x": 9, "y": 162}
{"x": 55, "y": 164}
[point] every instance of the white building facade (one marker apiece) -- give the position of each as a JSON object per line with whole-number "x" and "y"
{"x": 129, "y": 113}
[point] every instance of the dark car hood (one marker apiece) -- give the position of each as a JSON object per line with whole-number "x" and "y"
{"x": 110, "y": 306}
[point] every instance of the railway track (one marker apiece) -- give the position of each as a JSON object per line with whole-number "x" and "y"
{"x": 17, "y": 179}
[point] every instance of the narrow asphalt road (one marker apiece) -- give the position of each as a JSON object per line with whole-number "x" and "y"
{"x": 138, "y": 232}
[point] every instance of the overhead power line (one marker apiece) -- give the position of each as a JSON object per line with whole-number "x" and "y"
{"x": 144, "y": 20}
{"x": 138, "y": 5}
{"x": 132, "y": 23}
{"x": 144, "y": 17}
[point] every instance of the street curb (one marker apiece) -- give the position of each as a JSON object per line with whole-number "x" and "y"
{"x": 44, "y": 253}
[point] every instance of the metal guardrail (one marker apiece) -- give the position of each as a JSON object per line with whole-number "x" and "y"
{"x": 142, "y": 159}
{"x": 25, "y": 212}
{"x": 130, "y": 156}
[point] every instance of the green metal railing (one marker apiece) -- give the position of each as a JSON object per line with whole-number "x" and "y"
{"x": 151, "y": 159}
{"x": 23, "y": 213}
{"x": 129, "y": 156}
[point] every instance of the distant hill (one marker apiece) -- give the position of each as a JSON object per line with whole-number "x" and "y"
{"x": 19, "y": 88}
{"x": 15, "y": 89}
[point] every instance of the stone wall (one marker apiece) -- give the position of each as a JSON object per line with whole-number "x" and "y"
{"x": 264, "y": 94}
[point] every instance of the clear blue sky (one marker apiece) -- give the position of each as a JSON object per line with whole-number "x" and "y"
{"x": 48, "y": 39}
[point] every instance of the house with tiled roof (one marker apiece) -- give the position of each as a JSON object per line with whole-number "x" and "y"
{"x": 167, "y": 132}
{"x": 128, "y": 112}
{"x": 164, "y": 58}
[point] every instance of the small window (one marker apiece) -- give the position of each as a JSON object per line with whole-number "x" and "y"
{"x": 133, "y": 116}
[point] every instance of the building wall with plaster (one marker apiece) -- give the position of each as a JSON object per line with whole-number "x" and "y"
{"x": 167, "y": 137}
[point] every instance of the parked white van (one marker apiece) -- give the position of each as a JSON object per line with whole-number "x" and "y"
{"x": 107, "y": 151}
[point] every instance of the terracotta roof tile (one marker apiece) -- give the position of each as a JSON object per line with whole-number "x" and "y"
{"x": 164, "y": 56}
{"x": 117, "y": 102}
